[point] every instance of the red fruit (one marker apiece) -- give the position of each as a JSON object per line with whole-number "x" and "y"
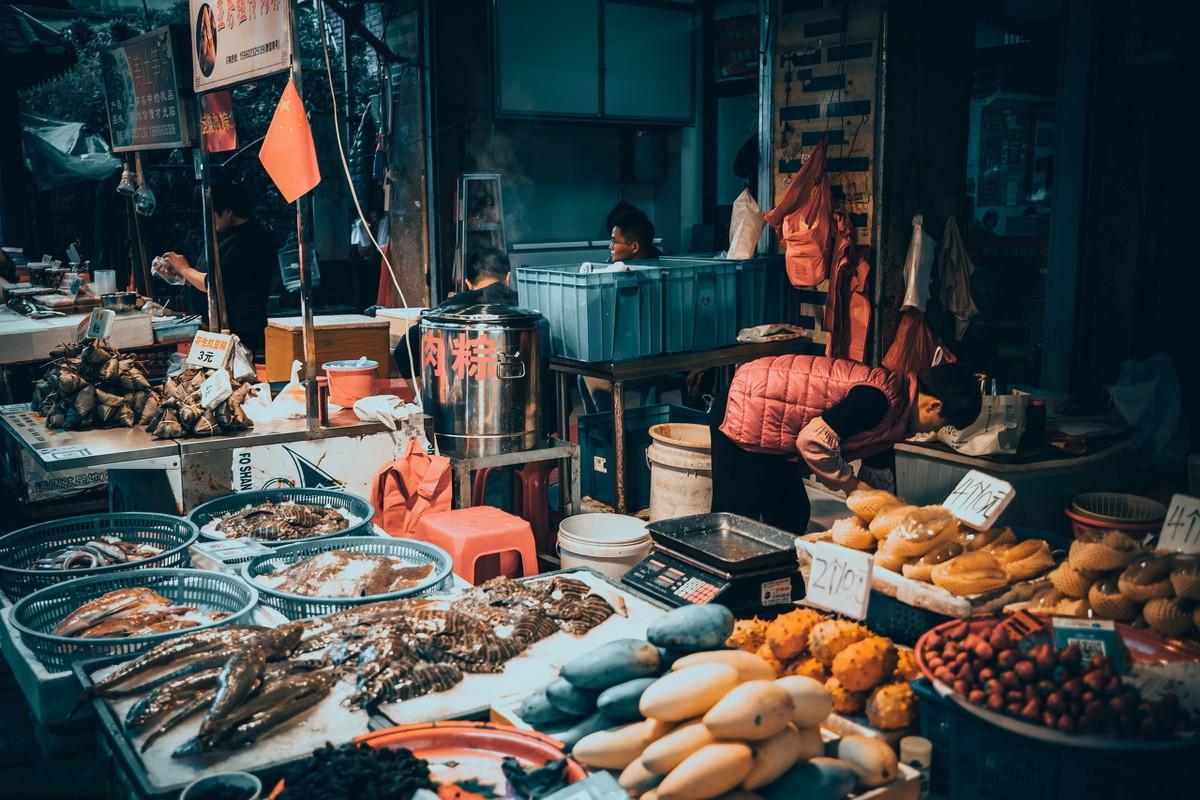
{"x": 1124, "y": 703}
{"x": 976, "y": 697}
{"x": 1046, "y": 687}
{"x": 1049, "y": 719}
{"x": 1098, "y": 662}
{"x": 1010, "y": 680}
{"x": 950, "y": 650}
{"x": 984, "y": 651}
{"x": 1000, "y": 638}
{"x": 1071, "y": 656}
{"x": 1025, "y": 671}
{"x": 1073, "y": 688}
{"x": 1096, "y": 711}
{"x": 1054, "y": 702}
{"x": 1031, "y": 693}
{"x": 967, "y": 673}
{"x": 993, "y": 686}
{"x": 934, "y": 642}
{"x": 971, "y": 640}
{"x": 1152, "y": 728}
{"x": 1114, "y": 686}
{"x": 1045, "y": 662}
{"x": 1015, "y": 696}
{"x": 1066, "y": 723}
{"x": 957, "y": 631}
{"x": 996, "y": 702}
{"x": 1032, "y": 711}
{"x": 944, "y": 675}
{"x": 1095, "y": 681}
{"x": 960, "y": 687}
{"x": 961, "y": 657}
{"x": 1007, "y": 658}
{"x": 1014, "y": 709}
{"x": 1088, "y": 697}
{"x": 933, "y": 662}
{"x": 986, "y": 674}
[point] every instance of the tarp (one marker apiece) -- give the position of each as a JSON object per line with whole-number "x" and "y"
{"x": 59, "y": 153}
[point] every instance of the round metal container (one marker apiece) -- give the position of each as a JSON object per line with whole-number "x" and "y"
{"x": 479, "y": 379}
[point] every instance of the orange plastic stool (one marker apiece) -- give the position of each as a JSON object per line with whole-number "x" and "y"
{"x": 468, "y": 534}
{"x": 532, "y": 490}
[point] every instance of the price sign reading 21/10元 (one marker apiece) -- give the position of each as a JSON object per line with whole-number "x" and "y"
{"x": 840, "y": 579}
{"x": 979, "y": 499}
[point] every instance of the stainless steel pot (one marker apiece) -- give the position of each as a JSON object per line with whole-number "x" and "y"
{"x": 479, "y": 379}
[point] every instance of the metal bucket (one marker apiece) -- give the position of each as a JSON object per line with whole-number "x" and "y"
{"x": 479, "y": 379}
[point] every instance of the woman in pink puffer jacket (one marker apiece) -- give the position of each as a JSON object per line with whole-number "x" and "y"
{"x": 786, "y": 417}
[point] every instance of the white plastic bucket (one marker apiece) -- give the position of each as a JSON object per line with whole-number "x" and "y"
{"x": 609, "y": 543}
{"x": 680, "y": 458}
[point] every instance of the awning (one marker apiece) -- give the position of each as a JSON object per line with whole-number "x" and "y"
{"x": 30, "y": 50}
{"x": 60, "y": 153}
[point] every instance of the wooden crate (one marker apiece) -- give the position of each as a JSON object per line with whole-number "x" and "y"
{"x": 340, "y": 336}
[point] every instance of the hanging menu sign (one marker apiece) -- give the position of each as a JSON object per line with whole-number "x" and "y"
{"x": 236, "y": 40}
{"x": 141, "y": 89}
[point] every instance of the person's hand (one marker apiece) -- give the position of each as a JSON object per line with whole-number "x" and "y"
{"x": 179, "y": 263}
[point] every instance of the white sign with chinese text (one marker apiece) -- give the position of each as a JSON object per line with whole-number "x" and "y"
{"x": 100, "y": 323}
{"x": 979, "y": 499}
{"x": 236, "y": 40}
{"x": 210, "y": 350}
{"x": 840, "y": 579}
{"x": 1181, "y": 528}
{"x": 216, "y": 389}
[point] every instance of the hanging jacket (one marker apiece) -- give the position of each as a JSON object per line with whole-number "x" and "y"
{"x": 413, "y": 485}
{"x": 847, "y": 317}
{"x": 915, "y": 347}
{"x": 773, "y": 399}
{"x": 954, "y": 271}
{"x": 803, "y": 220}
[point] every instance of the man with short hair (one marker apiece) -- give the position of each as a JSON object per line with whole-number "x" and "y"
{"x": 249, "y": 263}
{"x": 632, "y": 237}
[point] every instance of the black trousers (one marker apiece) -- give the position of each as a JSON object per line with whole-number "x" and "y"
{"x": 762, "y": 487}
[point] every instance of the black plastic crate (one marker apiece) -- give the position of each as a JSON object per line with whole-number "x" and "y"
{"x": 900, "y": 622}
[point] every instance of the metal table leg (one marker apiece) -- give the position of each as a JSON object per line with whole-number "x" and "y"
{"x": 462, "y": 483}
{"x": 618, "y": 404}
{"x": 574, "y": 485}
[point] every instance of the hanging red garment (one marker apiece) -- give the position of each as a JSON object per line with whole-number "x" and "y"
{"x": 847, "y": 317}
{"x": 915, "y": 347}
{"x": 803, "y": 220}
{"x": 385, "y": 295}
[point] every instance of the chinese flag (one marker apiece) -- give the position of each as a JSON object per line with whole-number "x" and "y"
{"x": 288, "y": 154}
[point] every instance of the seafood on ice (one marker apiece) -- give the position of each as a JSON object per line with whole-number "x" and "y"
{"x": 242, "y": 682}
{"x": 342, "y": 573}
{"x": 277, "y": 522}
{"x": 134, "y": 611}
{"x": 102, "y": 551}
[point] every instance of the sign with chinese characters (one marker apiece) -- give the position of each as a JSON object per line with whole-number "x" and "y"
{"x": 840, "y": 579}
{"x": 141, "y": 88}
{"x": 737, "y": 46}
{"x": 1181, "y": 528}
{"x": 216, "y": 389}
{"x": 217, "y": 127}
{"x": 466, "y": 356}
{"x": 978, "y": 500}
{"x": 210, "y": 350}
{"x": 236, "y": 40}
{"x": 100, "y": 323}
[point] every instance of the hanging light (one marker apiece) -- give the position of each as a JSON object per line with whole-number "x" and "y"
{"x": 126, "y": 186}
{"x": 144, "y": 201}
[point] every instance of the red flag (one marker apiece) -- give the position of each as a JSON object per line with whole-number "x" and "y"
{"x": 288, "y": 154}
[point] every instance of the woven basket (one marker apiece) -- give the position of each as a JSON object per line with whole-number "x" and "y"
{"x": 36, "y": 615}
{"x": 298, "y": 606}
{"x": 22, "y": 547}
{"x": 1119, "y": 508}
{"x": 351, "y": 503}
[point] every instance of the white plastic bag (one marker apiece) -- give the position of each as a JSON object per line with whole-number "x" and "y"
{"x": 917, "y": 266}
{"x": 997, "y": 429}
{"x": 257, "y": 404}
{"x": 291, "y": 402}
{"x": 773, "y": 332}
{"x": 745, "y": 226}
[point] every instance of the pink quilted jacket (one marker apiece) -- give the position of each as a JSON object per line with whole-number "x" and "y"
{"x": 773, "y": 398}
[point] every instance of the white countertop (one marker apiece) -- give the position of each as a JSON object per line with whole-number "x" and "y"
{"x": 330, "y": 321}
{"x": 23, "y": 340}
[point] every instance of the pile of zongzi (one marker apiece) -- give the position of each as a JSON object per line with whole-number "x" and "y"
{"x": 89, "y": 384}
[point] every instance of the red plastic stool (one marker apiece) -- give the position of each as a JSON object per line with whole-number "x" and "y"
{"x": 468, "y": 534}
{"x": 531, "y": 488}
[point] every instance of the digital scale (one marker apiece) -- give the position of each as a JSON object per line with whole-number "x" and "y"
{"x": 722, "y": 558}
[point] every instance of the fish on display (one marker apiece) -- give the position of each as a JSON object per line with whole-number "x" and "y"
{"x": 274, "y": 522}
{"x": 133, "y": 611}
{"x": 340, "y": 573}
{"x": 102, "y": 551}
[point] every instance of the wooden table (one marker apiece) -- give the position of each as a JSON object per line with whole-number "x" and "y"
{"x": 339, "y": 337}
{"x": 617, "y": 373}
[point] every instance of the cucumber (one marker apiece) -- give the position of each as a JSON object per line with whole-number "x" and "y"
{"x": 570, "y": 699}
{"x": 589, "y": 725}
{"x": 613, "y": 663}
{"x": 692, "y": 628}
{"x": 816, "y": 779}
{"x": 536, "y": 709}
{"x": 620, "y": 703}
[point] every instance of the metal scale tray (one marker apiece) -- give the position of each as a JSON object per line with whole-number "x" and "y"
{"x": 732, "y": 544}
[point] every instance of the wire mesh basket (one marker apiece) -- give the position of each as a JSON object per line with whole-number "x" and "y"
{"x": 298, "y": 606}
{"x": 352, "y": 504}
{"x": 36, "y": 615}
{"x": 1119, "y": 508}
{"x": 21, "y": 548}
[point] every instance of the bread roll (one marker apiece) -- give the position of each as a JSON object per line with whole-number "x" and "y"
{"x": 888, "y": 520}
{"x": 921, "y": 531}
{"x": 1026, "y": 560}
{"x": 969, "y": 574}
{"x": 867, "y": 503}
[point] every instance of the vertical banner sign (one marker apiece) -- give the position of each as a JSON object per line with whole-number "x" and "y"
{"x": 216, "y": 122}
{"x": 141, "y": 91}
{"x": 236, "y": 40}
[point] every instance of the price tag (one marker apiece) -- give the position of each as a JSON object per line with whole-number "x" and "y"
{"x": 100, "y": 323}
{"x": 1094, "y": 637}
{"x": 216, "y": 389}
{"x": 70, "y": 283}
{"x": 979, "y": 499}
{"x": 210, "y": 350}
{"x": 840, "y": 579}
{"x": 1181, "y": 529}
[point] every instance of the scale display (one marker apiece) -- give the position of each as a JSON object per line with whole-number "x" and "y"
{"x": 669, "y": 579}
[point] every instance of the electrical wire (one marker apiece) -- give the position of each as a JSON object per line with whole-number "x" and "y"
{"x": 337, "y": 129}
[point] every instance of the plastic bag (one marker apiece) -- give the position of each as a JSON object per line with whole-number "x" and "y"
{"x": 773, "y": 332}
{"x": 917, "y": 265}
{"x": 291, "y": 402}
{"x": 1148, "y": 397}
{"x": 257, "y": 404}
{"x": 745, "y": 226}
{"x": 241, "y": 365}
{"x": 997, "y": 429}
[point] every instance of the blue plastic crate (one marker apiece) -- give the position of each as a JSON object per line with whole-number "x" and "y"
{"x": 974, "y": 758}
{"x": 598, "y": 457}
{"x": 701, "y": 304}
{"x": 752, "y": 284}
{"x": 597, "y": 316}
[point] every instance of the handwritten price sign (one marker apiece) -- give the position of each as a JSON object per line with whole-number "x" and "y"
{"x": 840, "y": 579}
{"x": 1181, "y": 530}
{"x": 979, "y": 499}
{"x": 210, "y": 350}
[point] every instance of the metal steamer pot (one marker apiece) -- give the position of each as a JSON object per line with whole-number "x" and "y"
{"x": 479, "y": 379}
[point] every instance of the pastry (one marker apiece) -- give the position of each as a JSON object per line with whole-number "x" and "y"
{"x": 748, "y": 634}
{"x": 907, "y": 668}
{"x": 888, "y": 520}
{"x": 1072, "y": 607}
{"x": 1071, "y": 581}
{"x": 1185, "y": 577}
{"x": 1148, "y": 577}
{"x": 970, "y": 573}
{"x": 1004, "y": 542}
{"x": 1026, "y": 560}
{"x": 1170, "y": 616}
{"x": 844, "y": 700}
{"x": 922, "y": 570}
{"x": 887, "y": 558}
{"x": 921, "y": 531}
{"x": 809, "y": 667}
{"x": 1108, "y": 602}
{"x": 972, "y": 539}
{"x": 1102, "y": 551}
{"x": 832, "y": 636}
{"x": 864, "y": 665}
{"x": 892, "y": 707}
{"x": 851, "y": 533}
{"x": 867, "y": 503}
{"x": 787, "y": 634}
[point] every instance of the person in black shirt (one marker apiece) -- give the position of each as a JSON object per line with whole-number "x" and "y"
{"x": 249, "y": 263}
